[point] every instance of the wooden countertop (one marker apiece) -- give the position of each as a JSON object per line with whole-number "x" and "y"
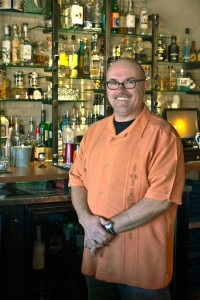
{"x": 32, "y": 173}
{"x": 191, "y": 166}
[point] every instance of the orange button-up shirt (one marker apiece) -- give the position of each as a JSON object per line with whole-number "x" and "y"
{"x": 144, "y": 160}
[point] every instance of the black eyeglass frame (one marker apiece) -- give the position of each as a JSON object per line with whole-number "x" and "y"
{"x": 122, "y": 83}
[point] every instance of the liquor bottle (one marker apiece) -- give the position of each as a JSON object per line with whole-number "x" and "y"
{"x": 73, "y": 58}
{"x": 122, "y": 18}
{"x": 77, "y": 14}
{"x": 95, "y": 60}
{"x": 44, "y": 128}
{"x": 102, "y": 58}
{"x": 26, "y": 48}
{"x": 140, "y": 53}
{"x": 15, "y": 43}
{"x": 19, "y": 91}
{"x": 68, "y": 142}
{"x": 144, "y": 18}
{"x": 65, "y": 14}
{"x": 130, "y": 18}
{"x": 87, "y": 15}
{"x": 50, "y": 139}
{"x": 62, "y": 51}
{"x": 173, "y": 50}
{"x": 164, "y": 46}
{"x": 84, "y": 64}
{"x": 198, "y": 55}
{"x": 34, "y": 92}
{"x": 102, "y": 107}
{"x": 4, "y": 125}
{"x": 21, "y": 128}
{"x": 6, "y": 45}
{"x": 128, "y": 50}
{"x": 5, "y": 85}
{"x": 15, "y": 136}
{"x": 31, "y": 131}
{"x": 96, "y": 16}
{"x": 103, "y": 17}
{"x": 193, "y": 53}
{"x": 81, "y": 46}
{"x": 114, "y": 17}
{"x": 186, "y": 46}
{"x": 160, "y": 50}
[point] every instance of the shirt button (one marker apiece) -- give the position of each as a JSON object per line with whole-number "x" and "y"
{"x": 101, "y": 193}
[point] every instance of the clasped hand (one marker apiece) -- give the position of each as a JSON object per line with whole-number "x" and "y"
{"x": 95, "y": 235}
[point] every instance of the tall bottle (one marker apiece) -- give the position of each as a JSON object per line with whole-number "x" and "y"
{"x": 65, "y": 14}
{"x": 26, "y": 47}
{"x": 44, "y": 128}
{"x": 144, "y": 18}
{"x": 15, "y": 136}
{"x": 6, "y": 45}
{"x": 5, "y": 85}
{"x": 193, "y": 54}
{"x": 95, "y": 60}
{"x": 114, "y": 17}
{"x": 186, "y": 46}
{"x": 73, "y": 58}
{"x": 84, "y": 64}
{"x": 15, "y": 45}
{"x": 97, "y": 16}
{"x": 173, "y": 50}
{"x": 77, "y": 14}
{"x": 122, "y": 18}
{"x": 130, "y": 18}
{"x": 87, "y": 14}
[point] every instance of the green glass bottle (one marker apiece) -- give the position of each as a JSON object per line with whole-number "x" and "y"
{"x": 44, "y": 130}
{"x": 114, "y": 17}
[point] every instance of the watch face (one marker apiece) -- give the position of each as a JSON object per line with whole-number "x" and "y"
{"x": 108, "y": 226}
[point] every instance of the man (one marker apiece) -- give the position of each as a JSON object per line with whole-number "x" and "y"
{"x": 126, "y": 184}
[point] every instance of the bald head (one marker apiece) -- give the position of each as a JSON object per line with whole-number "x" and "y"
{"x": 129, "y": 63}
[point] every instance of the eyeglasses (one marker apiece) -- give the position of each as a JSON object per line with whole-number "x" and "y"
{"x": 127, "y": 84}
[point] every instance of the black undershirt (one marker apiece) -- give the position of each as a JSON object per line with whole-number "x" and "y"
{"x": 120, "y": 126}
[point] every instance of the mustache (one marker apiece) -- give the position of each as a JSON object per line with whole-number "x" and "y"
{"x": 122, "y": 94}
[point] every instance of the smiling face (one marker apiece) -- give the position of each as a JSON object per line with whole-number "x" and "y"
{"x": 127, "y": 103}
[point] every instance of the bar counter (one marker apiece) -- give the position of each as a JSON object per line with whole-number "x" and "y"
{"x": 30, "y": 185}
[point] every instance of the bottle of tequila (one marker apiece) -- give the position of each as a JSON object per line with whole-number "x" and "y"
{"x": 26, "y": 47}
{"x": 6, "y": 46}
{"x": 15, "y": 42}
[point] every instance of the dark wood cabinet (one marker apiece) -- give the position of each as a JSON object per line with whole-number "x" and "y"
{"x": 61, "y": 276}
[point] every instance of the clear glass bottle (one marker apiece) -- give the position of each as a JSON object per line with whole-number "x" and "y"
{"x": 173, "y": 50}
{"x": 15, "y": 136}
{"x": 193, "y": 53}
{"x": 96, "y": 16}
{"x": 122, "y": 18}
{"x": 130, "y": 18}
{"x": 114, "y": 17}
{"x": 77, "y": 14}
{"x": 87, "y": 15}
{"x": 26, "y": 47}
{"x": 144, "y": 18}
{"x": 186, "y": 46}
{"x": 15, "y": 45}
{"x": 6, "y": 45}
{"x": 73, "y": 58}
{"x": 5, "y": 85}
{"x": 65, "y": 14}
{"x": 4, "y": 125}
{"x": 95, "y": 60}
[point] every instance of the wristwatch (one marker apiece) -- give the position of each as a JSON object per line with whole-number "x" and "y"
{"x": 109, "y": 228}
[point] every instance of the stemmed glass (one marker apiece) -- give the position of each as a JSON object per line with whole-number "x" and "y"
{"x": 42, "y": 158}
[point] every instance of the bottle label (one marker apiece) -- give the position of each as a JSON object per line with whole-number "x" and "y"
{"x": 77, "y": 14}
{"x": 130, "y": 21}
{"x": 26, "y": 52}
{"x": 15, "y": 51}
{"x": 6, "y": 50}
{"x": 73, "y": 60}
{"x": 144, "y": 19}
{"x": 65, "y": 18}
{"x": 114, "y": 20}
{"x": 122, "y": 22}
